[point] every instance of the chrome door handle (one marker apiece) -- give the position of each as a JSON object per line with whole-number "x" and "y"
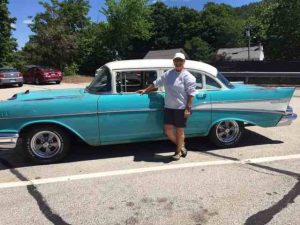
{"x": 201, "y": 96}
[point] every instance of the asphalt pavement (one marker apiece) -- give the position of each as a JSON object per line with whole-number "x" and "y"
{"x": 254, "y": 184}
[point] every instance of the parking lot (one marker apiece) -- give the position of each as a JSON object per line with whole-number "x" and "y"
{"x": 256, "y": 183}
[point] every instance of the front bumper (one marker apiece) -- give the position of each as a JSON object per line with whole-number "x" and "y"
{"x": 9, "y": 81}
{"x": 288, "y": 118}
{"x": 8, "y": 140}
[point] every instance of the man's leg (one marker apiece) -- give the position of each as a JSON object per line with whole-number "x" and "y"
{"x": 180, "y": 139}
{"x": 169, "y": 131}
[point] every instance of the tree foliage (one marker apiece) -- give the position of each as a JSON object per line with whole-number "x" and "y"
{"x": 64, "y": 36}
{"x": 7, "y": 43}
{"x": 56, "y": 32}
{"x": 198, "y": 49}
{"x": 127, "y": 20}
{"x": 283, "y": 34}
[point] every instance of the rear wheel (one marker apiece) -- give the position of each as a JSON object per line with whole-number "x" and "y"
{"x": 57, "y": 82}
{"x": 226, "y": 134}
{"x": 46, "y": 144}
{"x": 20, "y": 85}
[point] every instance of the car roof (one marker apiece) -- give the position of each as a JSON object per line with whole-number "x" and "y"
{"x": 159, "y": 63}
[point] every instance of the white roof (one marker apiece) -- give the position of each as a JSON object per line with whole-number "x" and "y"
{"x": 160, "y": 63}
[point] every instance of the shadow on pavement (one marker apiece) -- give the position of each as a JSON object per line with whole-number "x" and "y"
{"x": 143, "y": 151}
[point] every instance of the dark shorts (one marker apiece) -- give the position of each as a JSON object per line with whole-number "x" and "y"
{"x": 175, "y": 117}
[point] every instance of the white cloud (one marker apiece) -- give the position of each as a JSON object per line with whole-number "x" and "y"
{"x": 13, "y": 25}
{"x": 28, "y": 21}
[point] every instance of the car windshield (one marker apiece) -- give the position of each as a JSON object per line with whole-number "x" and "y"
{"x": 102, "y": 81}
{"x": 8, "y": 70}
{"x": 224, "y": 80}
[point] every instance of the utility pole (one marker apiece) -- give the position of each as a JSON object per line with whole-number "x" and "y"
{"x": 248, "y": 34}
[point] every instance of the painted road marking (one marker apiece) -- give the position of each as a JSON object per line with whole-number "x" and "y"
{"x": 143, "y": 170}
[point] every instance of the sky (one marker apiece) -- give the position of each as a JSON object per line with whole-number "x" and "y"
{"x": 24, "y": 9}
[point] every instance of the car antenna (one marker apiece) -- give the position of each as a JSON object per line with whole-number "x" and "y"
{"x": 26, "y": 92}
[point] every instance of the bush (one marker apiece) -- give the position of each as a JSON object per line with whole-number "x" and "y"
{"x": 71, "y": 69}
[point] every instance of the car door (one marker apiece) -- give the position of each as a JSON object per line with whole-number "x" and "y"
{"x": 128, "y": 116}
{"x": 200, "y": 120}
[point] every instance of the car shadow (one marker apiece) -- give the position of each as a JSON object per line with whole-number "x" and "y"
{"x": 154, "y": 151}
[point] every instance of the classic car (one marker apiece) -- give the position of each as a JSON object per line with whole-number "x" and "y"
{"x": 10, "y": 77}
{"x": 42, "y": 75}
{"x": 109, "y": 111}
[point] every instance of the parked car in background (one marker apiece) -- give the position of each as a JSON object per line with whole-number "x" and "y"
{"x": 10, "y": 76}
{"x": 42, "y": 74}
{"x": 109, "y": 111}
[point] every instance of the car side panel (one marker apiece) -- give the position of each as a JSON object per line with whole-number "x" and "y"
{"x": 130, "y": 117}
{"x": 77, "y": 114}
{"x": 259, "y": 106}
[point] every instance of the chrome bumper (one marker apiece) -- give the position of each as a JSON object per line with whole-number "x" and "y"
{"x": 288, "y": 118}
{"x": 8, "y": 140}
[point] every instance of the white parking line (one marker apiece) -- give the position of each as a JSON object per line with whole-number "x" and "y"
{"x": 143, "y": 170}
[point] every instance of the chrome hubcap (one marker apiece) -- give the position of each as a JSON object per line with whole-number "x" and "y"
{"x": 45, "y": 144}
{"x": 227, "y": 131}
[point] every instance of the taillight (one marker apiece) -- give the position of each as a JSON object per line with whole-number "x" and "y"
{"x": 1, "y": 75}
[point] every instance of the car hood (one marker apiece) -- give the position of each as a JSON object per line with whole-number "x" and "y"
{"x": 48, "y": 95}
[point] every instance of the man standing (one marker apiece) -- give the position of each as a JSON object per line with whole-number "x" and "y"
{"x": 180, "y": 88}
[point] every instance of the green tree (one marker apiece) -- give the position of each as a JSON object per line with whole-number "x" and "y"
{"x": 172, "y": 27}
{"x": 127, "y": 20}
{"x": 93, "y": 49}
{"x": 221, "y": 26}
{"x": 283, "y": 34}
{"x": 199, "y": 50}
{"x": 7, "y": 43}
{"x": 260, "y": 19}
{"x": 56, "y": 32}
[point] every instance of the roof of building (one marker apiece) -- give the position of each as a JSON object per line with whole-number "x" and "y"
{"x": 164, "y": 54}
{"x": 241, "y": 54}
{"x": 160, "y": 63}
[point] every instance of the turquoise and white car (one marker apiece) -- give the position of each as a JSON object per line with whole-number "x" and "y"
{"x": 109, "y": 111}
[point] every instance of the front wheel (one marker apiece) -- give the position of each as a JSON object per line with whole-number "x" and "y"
{"x": 45, "y": 145}
{"x": 226, "y": 134}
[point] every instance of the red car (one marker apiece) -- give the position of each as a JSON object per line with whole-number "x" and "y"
{"x": 40, "y": 74}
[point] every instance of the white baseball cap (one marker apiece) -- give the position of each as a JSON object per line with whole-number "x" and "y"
{"x": 179, "y": 55}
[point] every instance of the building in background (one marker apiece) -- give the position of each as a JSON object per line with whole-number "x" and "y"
{"x": 164, "y": 54}
{"x": 241, "y": 54}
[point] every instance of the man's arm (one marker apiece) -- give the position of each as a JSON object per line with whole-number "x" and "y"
{"x": 189, "y": 106}
{"x": 157, "y": 83}
{"x": 190, "y": 86}
{"x": 146, "y": 90}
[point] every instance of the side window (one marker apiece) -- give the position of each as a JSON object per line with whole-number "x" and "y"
{"x": 131, "y": 81}
{"x": 199, "y": 80}
{"x": 211, "y": 83}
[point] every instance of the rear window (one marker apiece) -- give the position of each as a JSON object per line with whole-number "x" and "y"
{"x": 224, "y": 80}
{"x": 8, "y": 70}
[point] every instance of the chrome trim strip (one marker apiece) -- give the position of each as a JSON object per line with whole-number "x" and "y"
{"x": 278, "y": 100}
{"x": 8, "y": 140}
{"x": 130, "y": 110}
{"x": 55, "y": 115}
{"x": 51, "y": 98}
{"x": 249, "y": 110}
